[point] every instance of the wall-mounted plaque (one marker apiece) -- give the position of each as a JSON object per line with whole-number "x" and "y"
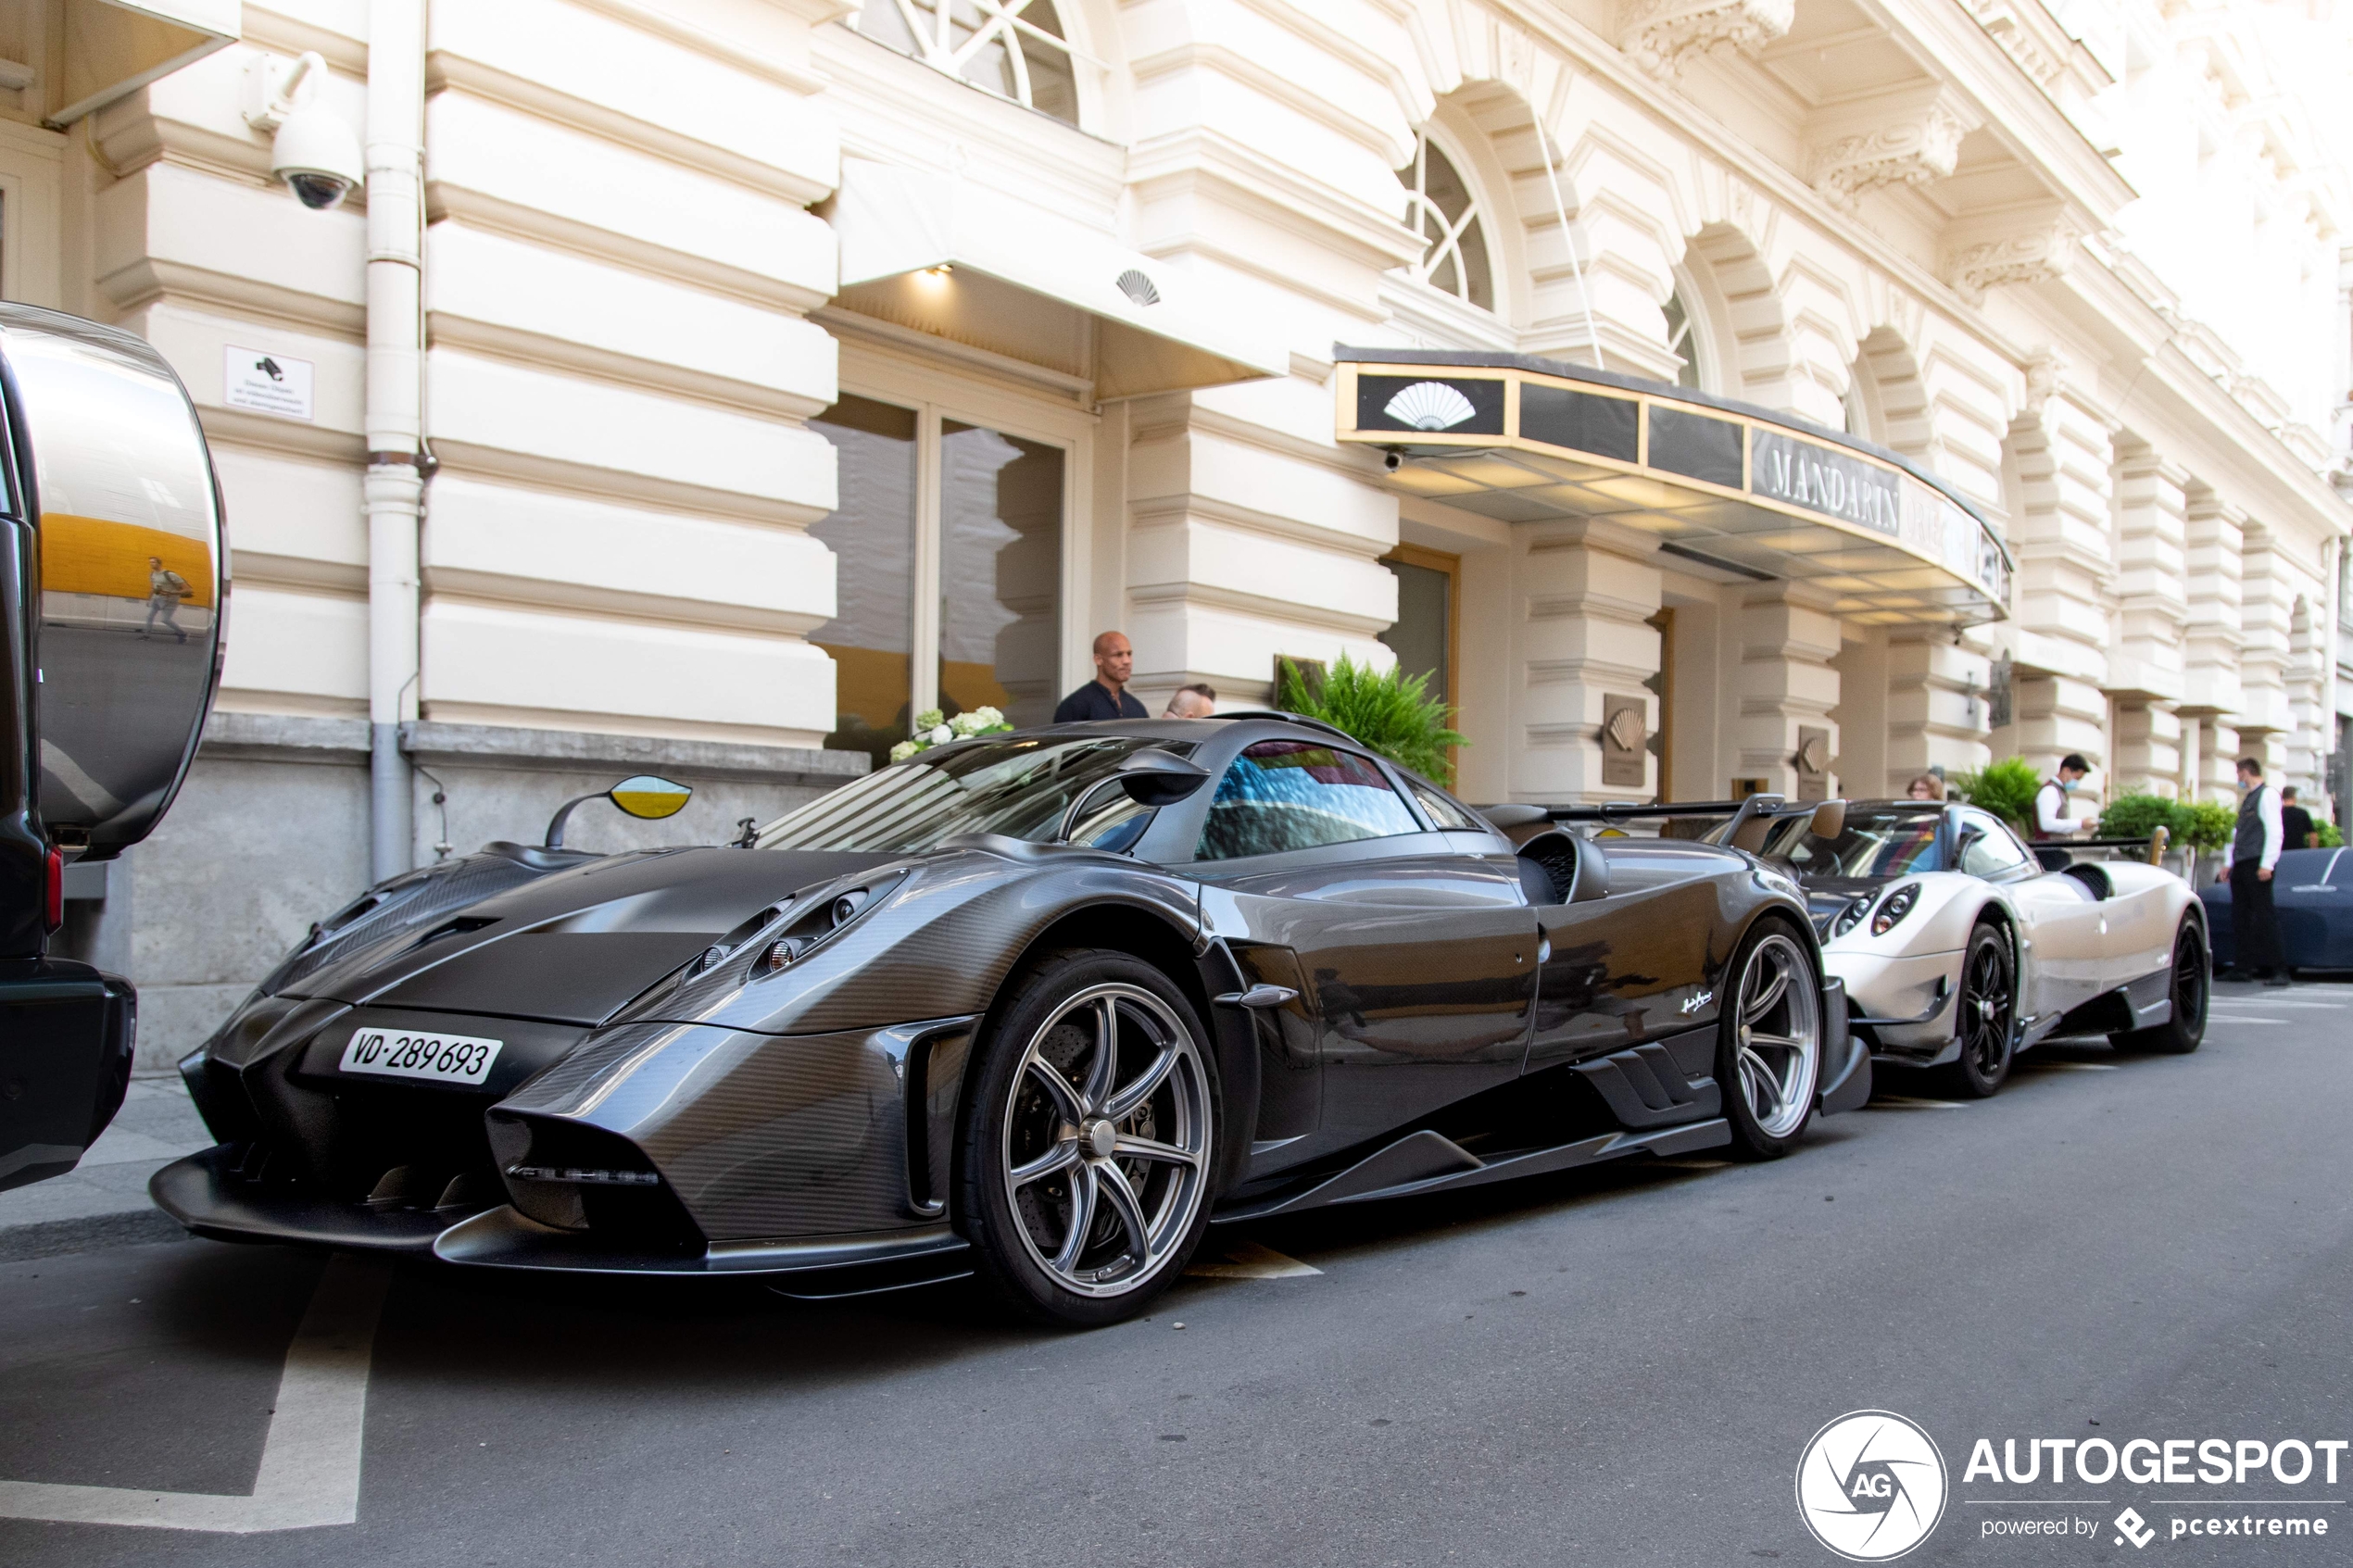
{"x": 1625, "y": 731}
{"x": 1813, "y": 764}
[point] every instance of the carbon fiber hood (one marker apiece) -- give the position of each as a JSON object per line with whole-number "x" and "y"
{"x": 568, "y": 943}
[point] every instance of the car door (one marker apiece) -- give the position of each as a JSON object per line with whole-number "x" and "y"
{"x": 1630, "y": 967}
{"x": 2308, "y": 889}
{"x": 2064, "y": 942}
{"x": 1414, "y": 949}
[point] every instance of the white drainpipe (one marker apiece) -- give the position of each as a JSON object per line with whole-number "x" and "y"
{"x": 393, "y": 494}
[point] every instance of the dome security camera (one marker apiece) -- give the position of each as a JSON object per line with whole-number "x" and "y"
{"x": 318, "y": 156}
{"x": 312, "y": 148}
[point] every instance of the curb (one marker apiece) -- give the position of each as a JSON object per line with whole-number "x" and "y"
{"x": 87, "y": 1233}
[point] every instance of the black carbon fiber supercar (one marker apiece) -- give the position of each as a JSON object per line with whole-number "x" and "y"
{"x": 1038, "y": 1007}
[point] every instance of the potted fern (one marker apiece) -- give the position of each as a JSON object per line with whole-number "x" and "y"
{"x": 1389, "y": 712}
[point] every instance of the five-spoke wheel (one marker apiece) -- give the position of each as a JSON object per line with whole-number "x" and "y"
{"x": 1090, "y": 1138}
{"x": 1770, "y": 1049}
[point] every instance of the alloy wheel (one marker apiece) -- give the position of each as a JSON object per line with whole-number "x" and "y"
{"x": 2190, "y": 977}
{"x": 1779, "y": 1044}
{"x": 1984, "y": 1021}
{"x": 1105, "y": 1160}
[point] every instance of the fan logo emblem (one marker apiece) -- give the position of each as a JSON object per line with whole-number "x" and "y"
{"x": 1429, "y": 405}
{"x": 1872, "y": 1485}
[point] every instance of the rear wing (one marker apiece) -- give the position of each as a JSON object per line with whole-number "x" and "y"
{"x": 1746, "y": 822}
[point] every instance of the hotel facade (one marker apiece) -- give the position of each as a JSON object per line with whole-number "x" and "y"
{"x": 1709, "y": 396}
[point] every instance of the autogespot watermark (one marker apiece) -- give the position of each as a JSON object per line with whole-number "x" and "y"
{"x": 1872, "y": 1485}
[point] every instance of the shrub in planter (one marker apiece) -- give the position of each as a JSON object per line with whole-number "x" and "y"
{"x": 2006, "y": 788}
{"x": 1389, "y": 712}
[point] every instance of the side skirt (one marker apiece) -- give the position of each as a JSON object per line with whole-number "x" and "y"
{"x": 1427, "y": 1162}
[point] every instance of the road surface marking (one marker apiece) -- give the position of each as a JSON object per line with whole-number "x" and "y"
{"x": 309, "y": 1472}
{"x": 1906, "y": 1102}
{"x": 1247, "y": 1259}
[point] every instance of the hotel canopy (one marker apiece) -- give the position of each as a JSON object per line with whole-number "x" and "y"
{"x": 1738, "y": 491}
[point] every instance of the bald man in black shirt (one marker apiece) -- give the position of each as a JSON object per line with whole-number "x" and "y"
{"x": 1105, "y": 697}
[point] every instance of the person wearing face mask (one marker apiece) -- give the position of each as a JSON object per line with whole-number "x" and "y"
{"x": 2051, "y": 819}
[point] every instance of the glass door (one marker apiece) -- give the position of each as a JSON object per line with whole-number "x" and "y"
{"x": 948, "y": 545}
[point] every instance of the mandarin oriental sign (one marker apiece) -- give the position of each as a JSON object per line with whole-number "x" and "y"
{"x": 1730, "y": 490}
{"x": 1825, "y": 480}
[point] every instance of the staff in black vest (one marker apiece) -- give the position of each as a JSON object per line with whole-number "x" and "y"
{"x": 1106, "y": 696}
{"x": 2255, "y": 850}
{"x": 2051, "y": 819}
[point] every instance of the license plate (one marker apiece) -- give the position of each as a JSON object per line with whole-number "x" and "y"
{"x": 444, "y": 1058}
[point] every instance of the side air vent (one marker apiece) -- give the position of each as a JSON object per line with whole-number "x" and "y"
{"x": 1555, "y": 857}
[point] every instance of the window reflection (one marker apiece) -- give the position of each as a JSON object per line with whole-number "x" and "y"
{"x": 999, "y": 572}
{"x": 872, "y": 533}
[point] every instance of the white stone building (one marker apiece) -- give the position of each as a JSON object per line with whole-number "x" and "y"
{"x": 786, "y": 367}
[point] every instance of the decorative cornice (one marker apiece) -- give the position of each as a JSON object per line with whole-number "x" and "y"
{"x": 2030, "y": 256}
{"x": 1661, "y": 36}
{"x": 1915, "y": 150}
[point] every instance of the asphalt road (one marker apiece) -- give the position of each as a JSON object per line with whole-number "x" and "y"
{"x": 1619, "y": 1367}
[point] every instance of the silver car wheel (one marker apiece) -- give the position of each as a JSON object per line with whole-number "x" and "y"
{"x": 1106, "y": 1149}
{"x": 1779, "y": 1043}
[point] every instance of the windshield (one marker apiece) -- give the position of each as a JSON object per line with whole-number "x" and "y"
{"x": 1877, "y": 841}
{"x": 1019, "y": 786}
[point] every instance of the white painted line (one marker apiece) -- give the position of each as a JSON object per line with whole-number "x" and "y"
{"x": 2257, "y": 1023}
{"x": 1906, "y": 1102}
{"x": 1248, "y": 1261}
{"x": 309, "y": 1472}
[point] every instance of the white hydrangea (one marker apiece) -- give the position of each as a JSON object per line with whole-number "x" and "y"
{"x": 903, "y": 750}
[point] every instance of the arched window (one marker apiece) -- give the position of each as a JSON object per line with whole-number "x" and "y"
{"x": 1681, "y": 342}
{"x": 1439, "y": 207}
{"x": 1014, "y": 48}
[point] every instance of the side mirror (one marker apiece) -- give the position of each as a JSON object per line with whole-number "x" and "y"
{"x": 643, "y": 796}
{"x": 1829, "y": 819}
{"x": 1154, "y": 777}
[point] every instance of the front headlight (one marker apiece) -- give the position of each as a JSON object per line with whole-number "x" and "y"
{"x": 1894, "y": 907}
{"x": 1851, "y": 916}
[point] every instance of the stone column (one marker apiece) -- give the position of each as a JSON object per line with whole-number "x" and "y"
{"x": 2265, "y": 721}
{"x": 2060, "y": 536}
{"x": 2212, "y": 539}
{"x": 2152, "y": 608}
{"x": 1937, "y": 712}
{"x": 1237, "y": 553}
{"x": 1786, "y": 683}
{"x": 1585, "y": 593}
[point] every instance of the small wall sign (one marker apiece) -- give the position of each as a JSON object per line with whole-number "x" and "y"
{"x": 267, "y": 383}
{"x": 1625, "y": 734}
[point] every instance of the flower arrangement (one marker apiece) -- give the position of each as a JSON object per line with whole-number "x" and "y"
{"x": 932, "y": 728}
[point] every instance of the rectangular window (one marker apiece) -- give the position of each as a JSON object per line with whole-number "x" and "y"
{"x": 1000, "y": 568}
{"x": 948, "y": 550}
{"x": 872, "y": 533}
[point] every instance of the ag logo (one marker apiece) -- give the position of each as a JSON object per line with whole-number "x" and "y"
{"x": 1871, "y": 1486}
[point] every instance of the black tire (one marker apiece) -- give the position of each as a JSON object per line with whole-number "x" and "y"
{"x": 1036, "y": 1103}
{"x": 1768, "y": 1041}
{"x": 1984, "y": 1017}
{"x": 2183, "y": 1032}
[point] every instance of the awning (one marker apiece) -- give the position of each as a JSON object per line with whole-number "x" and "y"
{"x": 1154, "y": 330}
{"x": 1724, "y": 485}
{"x": 114, "y": 47}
